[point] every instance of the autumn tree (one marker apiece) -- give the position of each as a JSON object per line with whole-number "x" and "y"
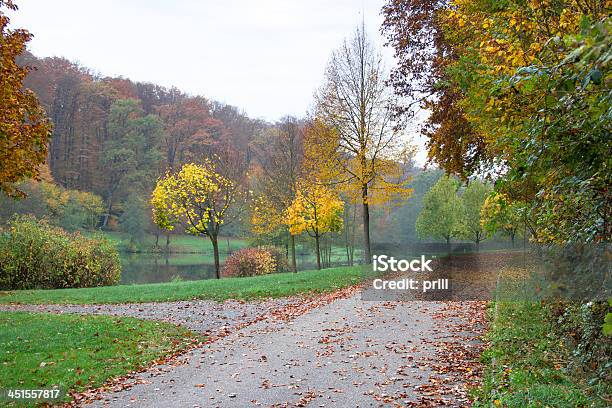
{"x": 415, "y": 30}
{"x": 131, "y": 155}
{"x": 320, "y": 165}
{"x": 70, "y": 209}
{"x": 240, "y": 129}
{"x": 279, "y": 155}
{"x": 358, "y": 107}
{"x": 441, "y": 213}
{"x": 472, "y": 200}
{"x": 531, "y": 82}
{"x": 499, "y": 214}
{"x": 315, "y": 210}
{"x": 543, "y": 102}
{"x": 185, "y": 120}
{"x": 199, "y": 198}
{"x": 79, "y": 112}
{"x": 24, "y": 127}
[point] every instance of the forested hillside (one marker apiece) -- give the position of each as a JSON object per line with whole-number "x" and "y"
{"x": 115, "y": 137}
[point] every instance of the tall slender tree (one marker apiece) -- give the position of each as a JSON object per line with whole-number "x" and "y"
{"x": 356, "y": 103}
{"x": 279, "y": 154}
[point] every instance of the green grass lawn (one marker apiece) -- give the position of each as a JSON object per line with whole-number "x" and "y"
{"x": 274, "y": 285}
{"x": 525, "y": 362}
{"x": 73, "y": 352}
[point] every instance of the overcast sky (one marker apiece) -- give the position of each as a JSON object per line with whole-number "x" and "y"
{"x": 264, "y": 56}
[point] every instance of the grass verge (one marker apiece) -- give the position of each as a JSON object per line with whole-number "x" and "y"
{"x": 73, "y": 352}
{"x": 274, "y": 285}
{"x": 525, "y": 362}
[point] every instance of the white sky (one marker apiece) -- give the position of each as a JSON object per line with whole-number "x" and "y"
{"x": 263, "y": 56}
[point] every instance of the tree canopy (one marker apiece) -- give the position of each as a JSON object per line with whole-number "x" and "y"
{"x": 199, "y": 198}
{"x": 441, "y": 213}
{"x": 532, "y": 82}
{"x": 24, "y": 127}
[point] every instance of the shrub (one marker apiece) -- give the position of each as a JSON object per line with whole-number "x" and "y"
{"x": 280, "y": 257}
{"x": 249, "y": 262}
{"x": 35, "y": 254}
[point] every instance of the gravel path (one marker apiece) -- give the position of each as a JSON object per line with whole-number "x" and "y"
{"x": 341, "y": 351}
{"x": 203, "y": 316}
{"x": 349, "y": 353}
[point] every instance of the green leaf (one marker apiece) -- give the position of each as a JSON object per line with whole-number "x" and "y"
{"x": 596, "y": 76}
{"x": 607, "y": 326}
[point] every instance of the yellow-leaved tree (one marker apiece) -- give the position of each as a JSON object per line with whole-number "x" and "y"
{"x": 199, "y": 198}
{"x": 315, "y": 210}
{"x": 265, "y": 217}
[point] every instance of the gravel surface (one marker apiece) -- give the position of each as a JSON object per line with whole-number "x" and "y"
{"x": 296, "y": 352}
{"x": 203, "y": 316}
{"x": 349, "y": 353}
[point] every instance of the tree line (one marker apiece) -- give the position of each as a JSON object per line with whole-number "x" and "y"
{"x": 206, "y": 166}
{"x": 134, "y": 144}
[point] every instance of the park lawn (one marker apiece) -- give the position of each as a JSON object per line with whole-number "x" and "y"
{"x": 524, "y": 362}
{"x": 273, "y": 285}
{"x": 75, "y": 352}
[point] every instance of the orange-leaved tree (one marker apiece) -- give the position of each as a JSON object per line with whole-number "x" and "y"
{"x": 24, "y": 127}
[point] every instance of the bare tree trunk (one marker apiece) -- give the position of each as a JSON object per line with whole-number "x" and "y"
{"x": 325, "y": 254}
{"x": 109, "y": 208}
{"x": 318, "y": 249}
{"x": 353, "y": 228}
{"x": 293, "y": 261}
{"x": 215, "y": 244}
{"x": 346, "y": 236}
{"x": 366, "y": 226}
{"x": 167, "y": 241}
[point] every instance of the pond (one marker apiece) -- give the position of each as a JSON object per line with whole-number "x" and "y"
{"x": 156, "y": 267}
{"x": 165, "y": 267}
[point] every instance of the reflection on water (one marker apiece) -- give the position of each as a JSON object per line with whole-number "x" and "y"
{"x": 151, "y": 268}
{"x": 159, "y": 267}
